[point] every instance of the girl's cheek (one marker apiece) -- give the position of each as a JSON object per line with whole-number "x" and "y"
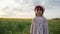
{"x": 35, "y": 12}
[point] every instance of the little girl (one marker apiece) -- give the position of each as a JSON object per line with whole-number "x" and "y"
{"x": 39, "y": 23}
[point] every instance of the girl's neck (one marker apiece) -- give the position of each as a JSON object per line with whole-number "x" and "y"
{"x": 39, "y": 16}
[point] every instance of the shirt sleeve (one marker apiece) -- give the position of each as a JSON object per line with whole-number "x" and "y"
{"x": 45, "y": 25}
{"x": 31, "y": 29}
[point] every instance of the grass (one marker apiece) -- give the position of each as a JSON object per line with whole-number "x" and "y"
{"x": 22, "y": 26}
{"x": 54, "y": 26}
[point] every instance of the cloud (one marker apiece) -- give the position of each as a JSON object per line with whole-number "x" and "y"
{"x": 24, "y": 8}
{"x": 53, "y": 3}
{"x": 2, "y": 13}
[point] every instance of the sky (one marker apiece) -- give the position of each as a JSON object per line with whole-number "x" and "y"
{"x": 25, "y": 8}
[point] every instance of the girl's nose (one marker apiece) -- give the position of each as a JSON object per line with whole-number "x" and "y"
{"x": 38, "y": 11}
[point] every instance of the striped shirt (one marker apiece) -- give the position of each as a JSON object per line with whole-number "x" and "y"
{"x": 39, "y": 25}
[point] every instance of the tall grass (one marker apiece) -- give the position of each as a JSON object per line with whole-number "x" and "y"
{"x": 22, "y": 26}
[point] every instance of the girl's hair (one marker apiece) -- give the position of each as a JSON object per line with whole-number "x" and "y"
{"x": 39, "y": 8}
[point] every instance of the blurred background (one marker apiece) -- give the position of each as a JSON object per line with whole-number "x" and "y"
{"x": 16, "y": 15}
{"x": 25, "y": 8}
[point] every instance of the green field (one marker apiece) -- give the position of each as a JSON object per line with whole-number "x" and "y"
{"x": 22, "y": 26}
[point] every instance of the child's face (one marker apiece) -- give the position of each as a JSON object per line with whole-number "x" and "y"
{"x": 38, "y": 13}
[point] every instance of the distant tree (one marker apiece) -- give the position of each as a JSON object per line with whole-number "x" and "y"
{"x": 56, "y": 19}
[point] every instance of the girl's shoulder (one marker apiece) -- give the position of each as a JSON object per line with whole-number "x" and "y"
{"x": 43, "y": 18}
{"x": 39, "y": 18}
